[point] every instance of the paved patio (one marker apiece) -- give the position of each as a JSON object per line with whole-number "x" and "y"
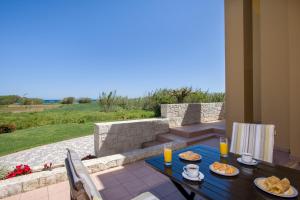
{"x": 54, "y": 153}
{"x": 120, "y": 183}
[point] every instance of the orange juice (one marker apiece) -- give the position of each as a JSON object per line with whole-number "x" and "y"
{"x": 223, "y": 148}
{"x": 168, "y": 155}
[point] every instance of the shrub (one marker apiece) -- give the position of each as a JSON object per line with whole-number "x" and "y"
{"x": 3, "y": 171}
{"x": 85, "y": 100}
{"x": 9, "y": 99}
{"x": 217, "y": 97}
{"x": 68, "y": 100}
{"x": 31, "y": 101}
{"x": 181, "y": 93}
{"x": 197, "y": 96}
{"x": 122, "y": 102}
{"x": 155, "y": 99}
{"x": 7, "y": 128}
{"x": 19, "y": 171}
{"x": 81, "y": 121}
{"x": 107, "y": 100}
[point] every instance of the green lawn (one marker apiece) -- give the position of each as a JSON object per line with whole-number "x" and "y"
{"x": 77, "y": 113}
{"x": 33, "y": 137}
{"x": 62, "y": 123}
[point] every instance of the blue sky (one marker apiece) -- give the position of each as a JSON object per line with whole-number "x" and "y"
{"x": 57, "y": 48}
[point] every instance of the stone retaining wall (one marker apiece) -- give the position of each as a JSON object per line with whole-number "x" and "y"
{"x": 192, "y": 113}
{"x": 122, "y": 136}
{"x": 37, "y": 180}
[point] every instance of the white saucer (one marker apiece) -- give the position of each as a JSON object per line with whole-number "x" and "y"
{"x": 199, "y": 178}
{"x": 254, "y": 162}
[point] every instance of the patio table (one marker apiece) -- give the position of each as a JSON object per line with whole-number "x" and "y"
{"x": 220, "y": 187}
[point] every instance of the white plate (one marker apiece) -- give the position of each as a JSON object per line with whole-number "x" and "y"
{"x": 285, "y": 195}
{"x": 254, "y": 162}
{"x": 188, "y": 159}
{"x": 199, "y": 178}
{"x": 223, "y": 173}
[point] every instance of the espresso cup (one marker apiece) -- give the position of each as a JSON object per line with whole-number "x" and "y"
{"x": 191, "y": 170}
{"x": 247, "y": 157}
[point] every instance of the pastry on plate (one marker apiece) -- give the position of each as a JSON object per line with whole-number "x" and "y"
{"x": 189, "y": 155}
{"x": 274, "y": 185}
{"x": 281, "y": 187}
{"x": 270, "y": 182}
{"x": 224, "y": 168}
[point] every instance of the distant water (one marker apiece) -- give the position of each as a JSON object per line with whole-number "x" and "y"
{"x": 49, "y": 101}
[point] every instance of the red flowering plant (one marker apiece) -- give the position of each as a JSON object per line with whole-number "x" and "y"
{"x": 18, "y": 171}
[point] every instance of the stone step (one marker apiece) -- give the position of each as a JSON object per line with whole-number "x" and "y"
{"x": 189, "y": 141}
{"x": 196, "y": 130}
{"x": 151, "y": 143}
{"x": 293, "y": 164}
{"x": 219, "y": 130}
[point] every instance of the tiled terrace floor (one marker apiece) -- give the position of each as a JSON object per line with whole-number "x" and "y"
{"x": 121, "y": 183}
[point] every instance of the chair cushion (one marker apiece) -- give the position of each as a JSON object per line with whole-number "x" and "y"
{"x": 85, "y": 188}
{"x": 84, "y": 182}
{"x": 146, "y": 196}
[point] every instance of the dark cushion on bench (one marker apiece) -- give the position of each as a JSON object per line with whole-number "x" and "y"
{"x": 81, "y": 185}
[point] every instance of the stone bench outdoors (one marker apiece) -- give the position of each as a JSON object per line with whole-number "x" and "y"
{"x": 82, "y": 186}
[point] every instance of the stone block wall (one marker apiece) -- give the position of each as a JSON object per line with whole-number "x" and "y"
{"x": 122, "y": 136}
{"x": 192, "y": 113}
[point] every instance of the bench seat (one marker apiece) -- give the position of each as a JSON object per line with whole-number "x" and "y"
{"x": 81, "y": 184}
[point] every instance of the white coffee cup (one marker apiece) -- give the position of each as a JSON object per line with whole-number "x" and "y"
{"x": 191, "y": 170}
{"x": 247, "y": 157}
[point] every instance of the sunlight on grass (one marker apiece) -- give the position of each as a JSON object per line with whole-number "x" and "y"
{"x": 33, "y": 137}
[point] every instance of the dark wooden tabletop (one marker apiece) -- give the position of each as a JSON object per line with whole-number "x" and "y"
{"x": 220, "y": 187}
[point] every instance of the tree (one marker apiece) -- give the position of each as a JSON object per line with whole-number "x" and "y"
{"x": 68, "y": 100}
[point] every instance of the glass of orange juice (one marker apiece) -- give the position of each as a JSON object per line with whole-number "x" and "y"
{"x": 224, "y": 146}
{"x": 168, "y": 154}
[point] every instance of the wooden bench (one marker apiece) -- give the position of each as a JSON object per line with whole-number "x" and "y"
{"x": 81, "y": 184}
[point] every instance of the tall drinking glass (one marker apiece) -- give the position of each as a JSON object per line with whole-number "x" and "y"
{"x": 168, "y": 154}
{"x": 224, "y": 146}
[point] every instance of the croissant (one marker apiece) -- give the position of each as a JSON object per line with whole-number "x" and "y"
{"x": 270, "y": 182}
{"x": 281, "y": 187}
{"x": 189, "y": 155}
{"x": 229, "y": 170}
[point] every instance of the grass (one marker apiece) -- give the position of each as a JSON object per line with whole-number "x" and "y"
{"x": 54, "y": 125}
{"x": 26, "y": 108}
{"x": 33, "y": 137}
{"x": 77, "y": 113}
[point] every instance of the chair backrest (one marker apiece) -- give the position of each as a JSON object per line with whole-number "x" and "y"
{"x": 81, "y": 185}
{"x": 257, "y": 139}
